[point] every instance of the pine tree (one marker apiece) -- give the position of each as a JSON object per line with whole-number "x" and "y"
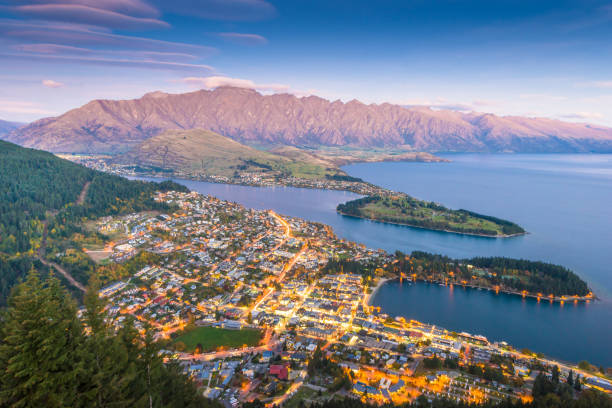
{"x": 47, "y": 359}
{"x": 577, "y": 384}
{"x": 39, "y": 347}
{"x": 150, "y": 369}
{"x": 110, "y": 372}
{"x": 555, "y": 375}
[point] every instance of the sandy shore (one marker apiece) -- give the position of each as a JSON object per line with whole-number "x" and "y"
{"x": 380, "y": 282}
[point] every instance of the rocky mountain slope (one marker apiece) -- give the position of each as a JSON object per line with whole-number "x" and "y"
{"x": 107, "y": 126}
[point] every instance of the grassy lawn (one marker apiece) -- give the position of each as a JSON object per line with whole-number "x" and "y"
{"x": 212, "y": 337}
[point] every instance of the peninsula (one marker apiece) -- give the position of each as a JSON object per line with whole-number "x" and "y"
{"x": 399, "y": 208}
{"x": 540, "y": 280}
{"x": 207, "y": 156}
{"x": 247, "y": 304}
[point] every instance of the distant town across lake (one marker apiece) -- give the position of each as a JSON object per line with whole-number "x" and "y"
{"x": 561, "y": 200}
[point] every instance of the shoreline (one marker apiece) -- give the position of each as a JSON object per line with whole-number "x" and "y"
{"x": 556, "y": 299}
{"x": 361, "y": 192}
{"x": 370, "y": 296}
{"x": 473, "y": 234}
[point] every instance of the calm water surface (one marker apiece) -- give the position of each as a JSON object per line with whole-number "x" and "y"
{"x": 564, "y": 201}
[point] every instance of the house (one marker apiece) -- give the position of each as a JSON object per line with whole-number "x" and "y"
{"x": 266, "y": 356}
{"x": 280, "y": 371}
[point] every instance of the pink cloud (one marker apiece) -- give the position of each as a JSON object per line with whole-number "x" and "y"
{"x": 49, "y": 83}
{"x": 212, "y": 82}
{"x": 136, "y": 8}
{"x": 243, "y": 38}
{"x": 23, "y": 107}
{"x": 103, "y": 61}
{"x": 78, "y": 35}
{"x": 601, "y": 84}
{"x": 89, "y": 15}
{"x": 583, "y": 115}
{"x": 50, "y": 49}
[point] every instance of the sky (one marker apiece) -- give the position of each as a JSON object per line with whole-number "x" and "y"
{"x": 508, "y": 57}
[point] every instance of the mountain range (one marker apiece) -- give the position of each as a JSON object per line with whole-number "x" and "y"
{"x": 247, "y": 116}
{"x": 7, "y": 127}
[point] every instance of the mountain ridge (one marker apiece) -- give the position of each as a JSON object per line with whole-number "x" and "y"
{"x": 247, "y": 116}
{"x": 7, "y": 126}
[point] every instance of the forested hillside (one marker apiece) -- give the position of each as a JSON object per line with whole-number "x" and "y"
{"x": 40, "y": 192}
{"x": 48, "y": 359}
{"x": 508, "y": 274}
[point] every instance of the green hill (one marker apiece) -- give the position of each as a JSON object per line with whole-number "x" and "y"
{"x": 43, "y": 201}
{"x": 406, "y": 210}
{"x": 202, "y": 152}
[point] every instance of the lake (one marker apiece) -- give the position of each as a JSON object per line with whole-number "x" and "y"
{"x": 564, "y": 201}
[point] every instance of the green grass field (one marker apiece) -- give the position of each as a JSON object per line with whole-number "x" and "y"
{"x": 212, "y": 337}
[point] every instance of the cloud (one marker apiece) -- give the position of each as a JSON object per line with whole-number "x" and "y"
{"x": 78, "y": 13}
{"x": 136, "y": 8}
{"x": 118, "y": 62}
{"x": 80, "y": 44}
{"x": 22, "y": 107}
{"x": 49, "y": 83}
{"x": 484, "y": 102}
{"x": 582, "y": 115}
{"x": 597, "y": 84}
{"x": 243, "y": 38}
{"x": 445, "y": 104}
{"x": 542, "y": 96}
{"x": 212, "y": 82}
{"x": 78, "y": 35}
{"x": 438, "y": 103}
{"x": 69, "y": 50}
{"x": 224, "y": 10}
{"x": 50, "y": 49}
{"x": 459, "y": 107}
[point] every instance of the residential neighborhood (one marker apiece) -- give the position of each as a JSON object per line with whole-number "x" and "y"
{"x": 258, "y": 306}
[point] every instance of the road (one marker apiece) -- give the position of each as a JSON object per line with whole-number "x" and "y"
{"x": 64, "y": 273}
{"x": 83, "y": 194}
{"x": 58, "y": 268}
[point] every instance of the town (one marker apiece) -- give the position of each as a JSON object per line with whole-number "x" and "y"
{"x": 259, "y": 306}
{"x": 240, "y": 177}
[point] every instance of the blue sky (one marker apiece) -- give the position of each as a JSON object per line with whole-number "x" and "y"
{"x": 535, "y": 58}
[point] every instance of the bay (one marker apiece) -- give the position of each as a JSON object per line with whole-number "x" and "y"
{"x": 563, "y": 201}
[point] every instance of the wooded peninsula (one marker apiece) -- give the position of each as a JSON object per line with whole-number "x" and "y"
{"x": 403, "y": 209}
{"x": 518, "y": 276}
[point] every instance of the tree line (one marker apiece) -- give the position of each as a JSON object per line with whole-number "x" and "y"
{"x": 51, "y": 358}
{"x": 509, "y": 273}
{"x": 38, "y": 193}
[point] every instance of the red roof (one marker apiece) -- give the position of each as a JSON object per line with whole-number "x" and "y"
{"x": 279, "y": 371}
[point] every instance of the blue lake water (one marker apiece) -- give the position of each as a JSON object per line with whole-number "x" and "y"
{"x": 564, "y": 201}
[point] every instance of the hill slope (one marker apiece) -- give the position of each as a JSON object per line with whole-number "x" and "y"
{"x": 43, "y": 200}
{"x": 7, "y": 127}
{"x": 103, "y": 126}
{"x": 204, "y": 152}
